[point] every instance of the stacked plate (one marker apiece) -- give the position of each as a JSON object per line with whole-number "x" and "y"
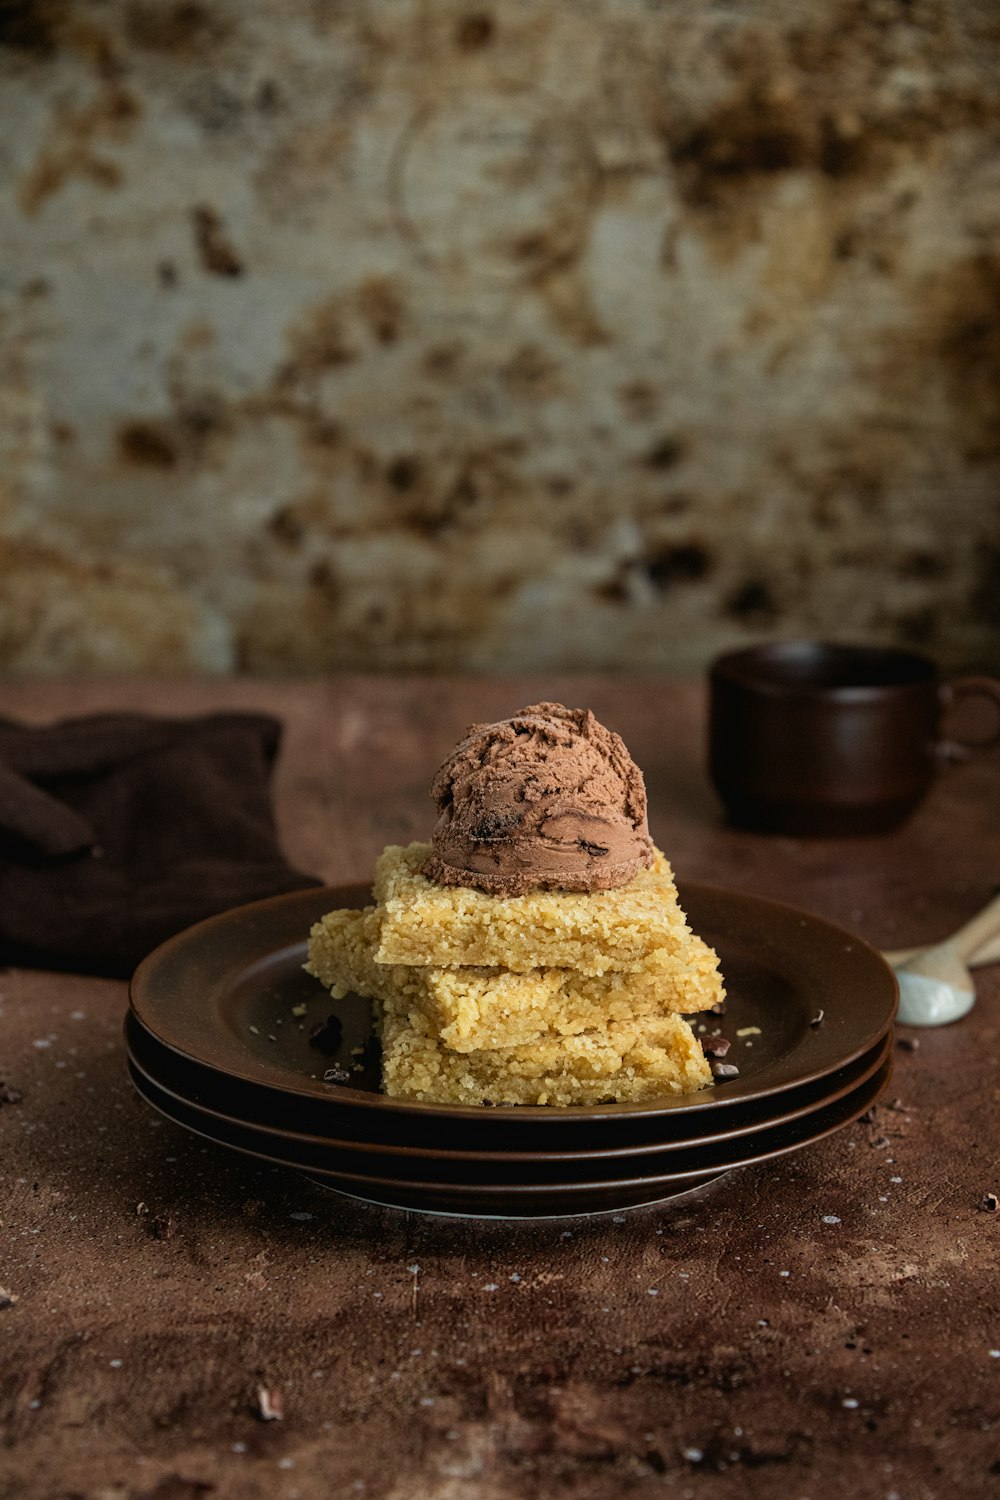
{"x": 219, "y": 1040}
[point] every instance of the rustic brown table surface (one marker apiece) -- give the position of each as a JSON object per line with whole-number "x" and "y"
{"x": 827, "y": 1325}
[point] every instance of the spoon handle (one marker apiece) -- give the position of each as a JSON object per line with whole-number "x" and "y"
{"x": 977, "y": 929}
{"x": 987, "y": 952}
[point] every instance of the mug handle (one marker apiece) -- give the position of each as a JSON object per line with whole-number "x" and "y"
{"x": 955, "y": 691}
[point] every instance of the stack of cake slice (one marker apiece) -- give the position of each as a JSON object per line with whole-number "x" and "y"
{"x": 551, "y": 997}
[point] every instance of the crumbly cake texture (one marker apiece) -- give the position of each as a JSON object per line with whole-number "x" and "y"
{"x": 490, "y": 1008}
{"x": 342, "y": 953}
{"x": 620, "y": 1064}
{"x": 594, "y": 932}
{"x": 475, "y": 1009}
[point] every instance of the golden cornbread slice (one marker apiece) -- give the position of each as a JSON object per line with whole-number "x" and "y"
{"x": 341, "y": 953}
{"x": 619, "y": 1064}
{"x": 490, "y": 1008}
{"x": 472, "y": 1008}
{"x": 443, "y": 926}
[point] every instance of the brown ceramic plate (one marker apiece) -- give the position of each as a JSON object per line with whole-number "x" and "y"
{"x": 222, "y": 996}
{"x": 488, "y": 1193}
{"x": 779, "y": 1109}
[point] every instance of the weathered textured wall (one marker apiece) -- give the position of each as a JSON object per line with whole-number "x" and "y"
{"x": 413, "y": 333}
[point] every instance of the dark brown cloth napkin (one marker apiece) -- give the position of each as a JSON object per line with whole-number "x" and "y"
{"x": 118, "y": 830}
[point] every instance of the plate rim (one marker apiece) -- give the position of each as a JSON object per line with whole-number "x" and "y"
{"x": 871, "y": 1090}
{"x": 874, "y": 1059}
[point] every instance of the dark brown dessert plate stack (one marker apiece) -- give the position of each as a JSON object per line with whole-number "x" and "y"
{"x": 220, "y": 1040}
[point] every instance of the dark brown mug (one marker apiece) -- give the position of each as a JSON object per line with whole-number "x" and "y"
{"x": 813, "y": 738}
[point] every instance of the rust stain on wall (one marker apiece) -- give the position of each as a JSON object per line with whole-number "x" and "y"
{"x": 963, "y": 311}
{"x": 184, "y": 28}
{"x": 73, "y": 147}
{"x": 32, "y": 26}
{"x": 183, "y": 438}
{"x": 215, "y": 248}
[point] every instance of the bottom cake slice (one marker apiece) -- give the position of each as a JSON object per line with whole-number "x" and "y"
{"x": 621, "y": 1063}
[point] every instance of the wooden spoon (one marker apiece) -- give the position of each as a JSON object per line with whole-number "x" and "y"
{"x": 935, "y": 985}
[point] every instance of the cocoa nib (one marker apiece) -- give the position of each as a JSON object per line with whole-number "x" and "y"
{"x": 715, "y": 1044}
{"x": 595, "y": 851}
{"x": 494, "y": 825}
{"x": 337, "y": 1074}
{"x": 326, "y": 1035}
{"x": 9, "y": 1094}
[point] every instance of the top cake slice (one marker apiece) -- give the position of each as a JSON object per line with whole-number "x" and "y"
{"x": 592, "y": 932}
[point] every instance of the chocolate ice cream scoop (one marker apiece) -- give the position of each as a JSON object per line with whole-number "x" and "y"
{"x": 547, "y": 798}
